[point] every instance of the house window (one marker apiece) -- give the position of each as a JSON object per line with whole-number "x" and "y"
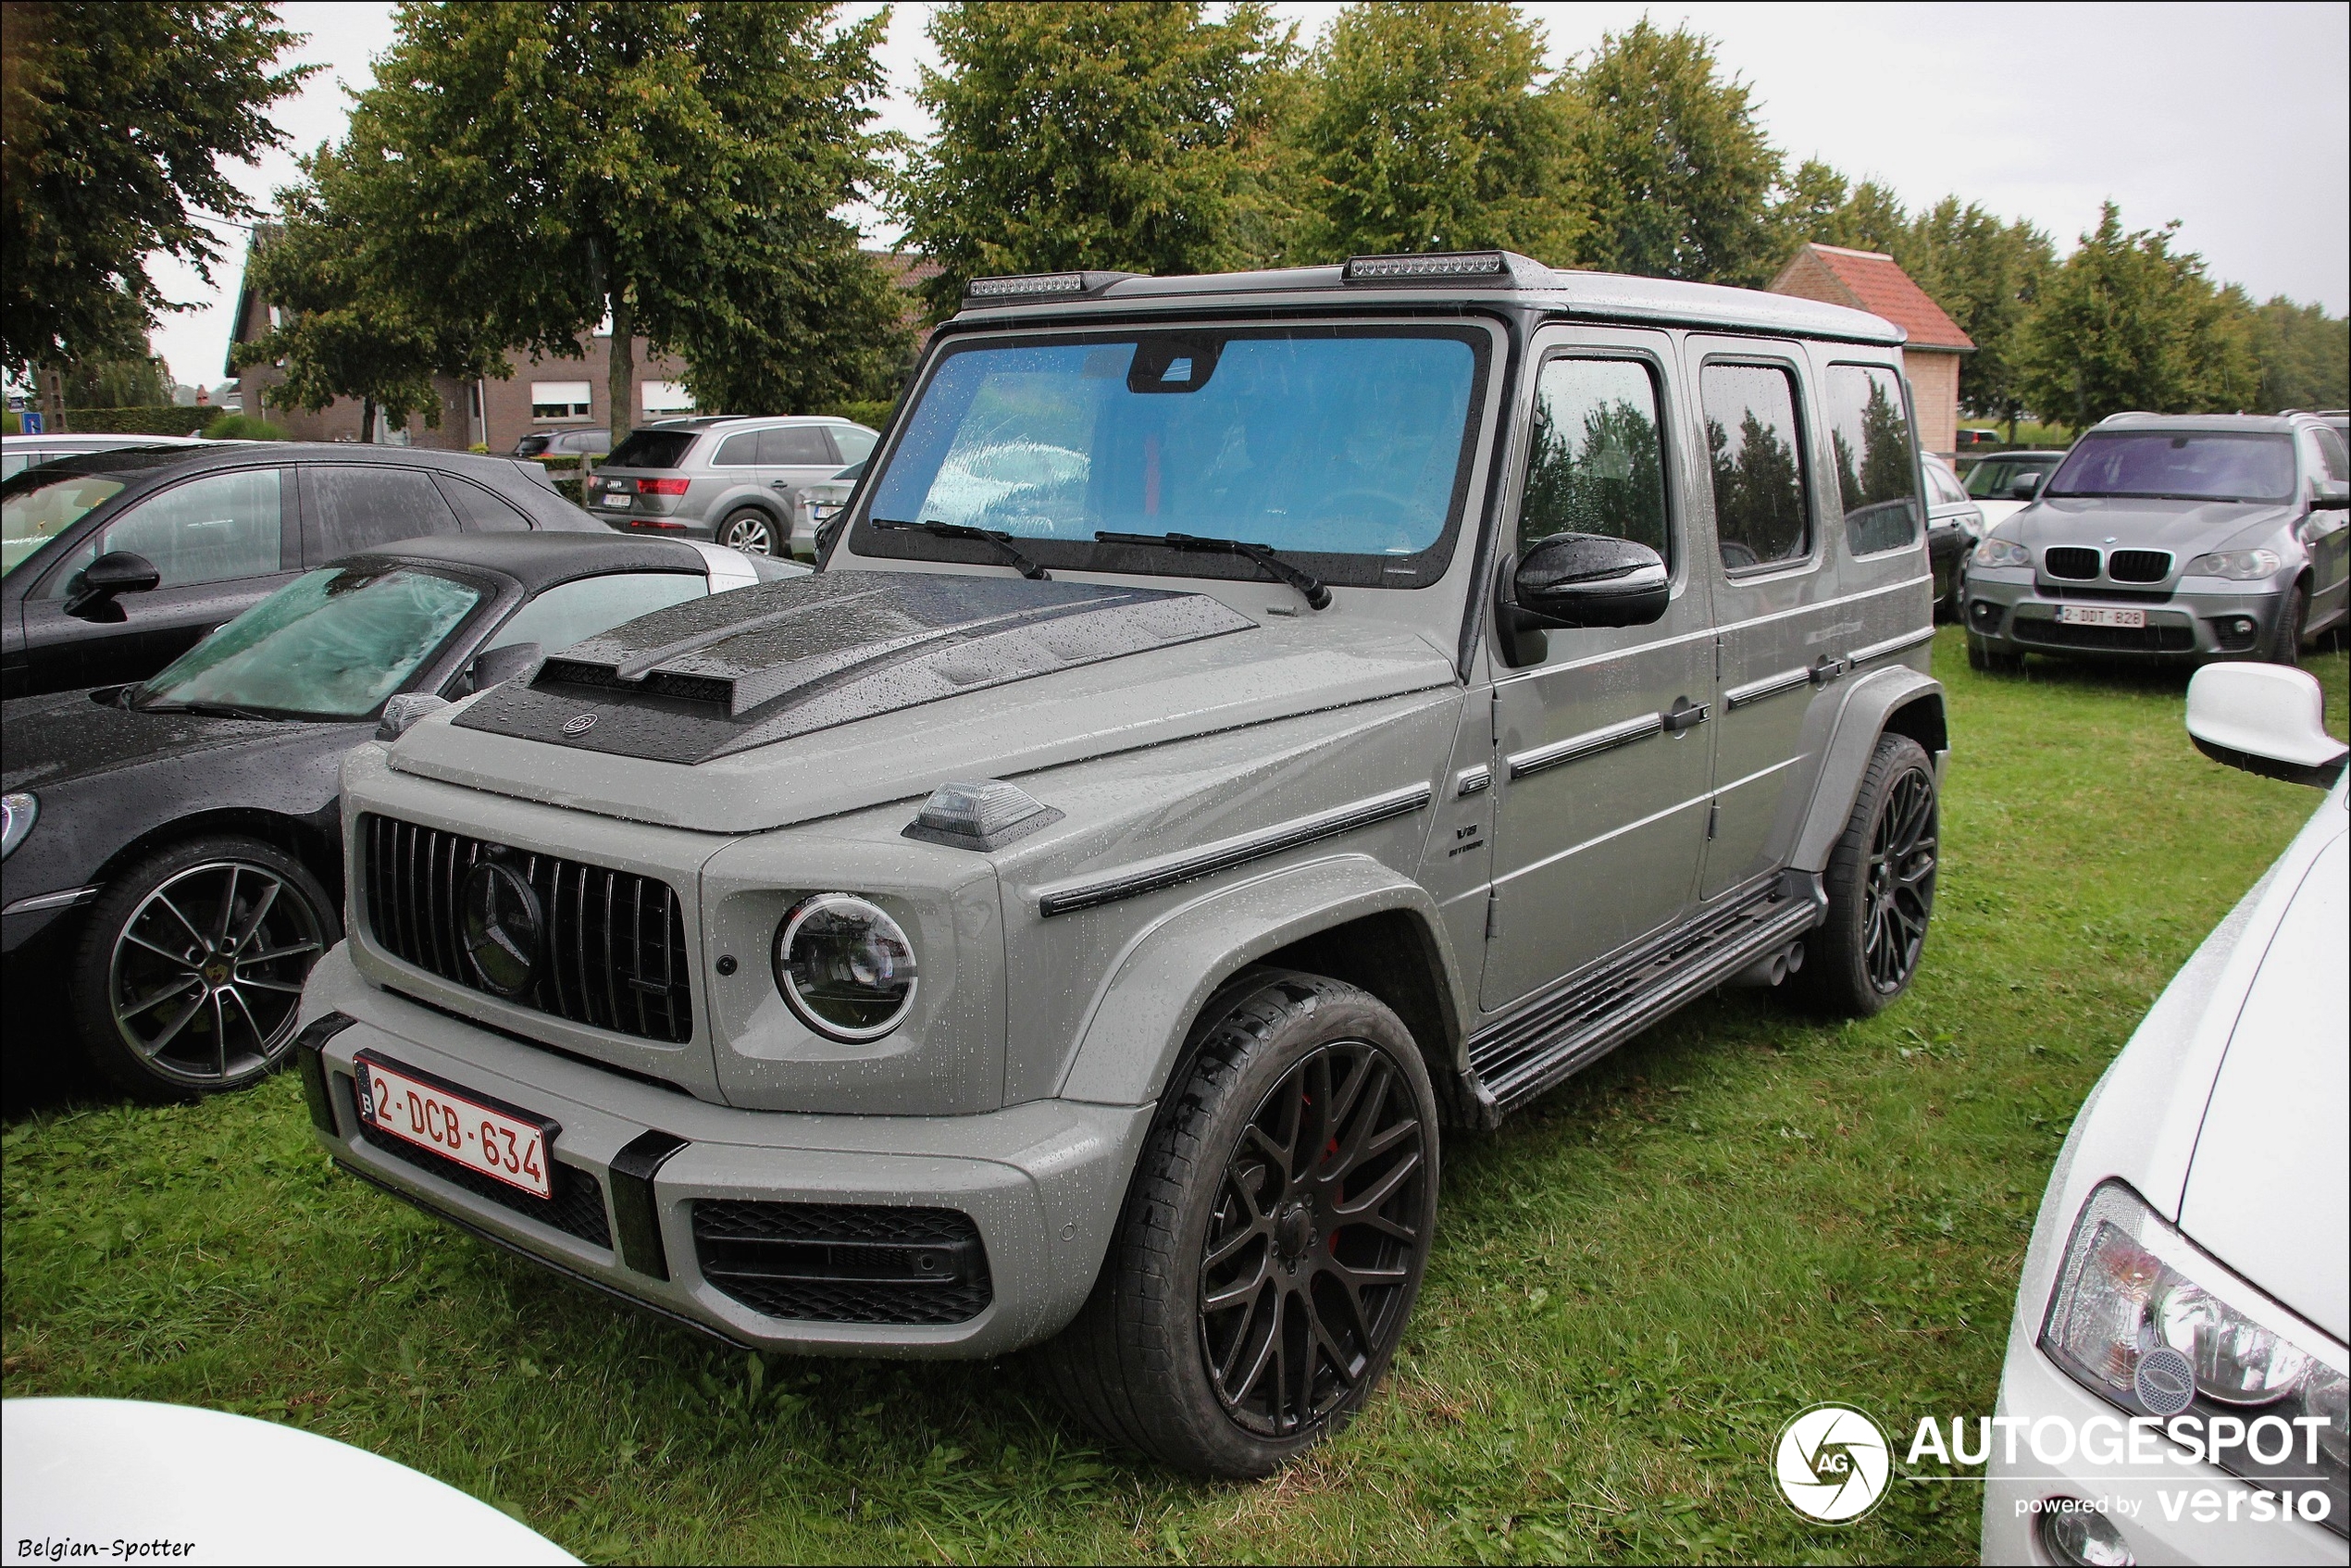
{"x": 665, "y": 397}
{"x": 559, "y": 400}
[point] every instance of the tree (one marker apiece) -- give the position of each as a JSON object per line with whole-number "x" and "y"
{"x": 1428, "y": 129}
{"x": 1671, "y": 170}
{"x": 131, "y": 381}
{"x": 117, "y": 118}
{"x": 1818, "y": 206}
{"x": 2305, "y": 355}
{"x": 519, "y": 174}
{"x": 2127, "y": 323}
{"x": 1986, "y": 275}
{"x": 1130, "y": 137}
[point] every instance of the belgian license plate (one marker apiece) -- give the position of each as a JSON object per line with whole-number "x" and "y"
{"x": 2099, "y": 615}
{"x": 616, "y": 498}
{"x": 456, "y": 1126}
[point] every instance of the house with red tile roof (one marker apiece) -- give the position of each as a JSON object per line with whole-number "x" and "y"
{"x": 1870, "y": 281}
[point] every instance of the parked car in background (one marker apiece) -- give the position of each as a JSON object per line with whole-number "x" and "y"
{"x": 2339, "y": 421}
{"x": 728, "y": 478}
{"x": 173, "y": 848}
{"x": 1975, "y": 437}
{"x": 20, "y": 453}
{"x": 1954, "y": 524}
{"x": 817, "y": 505}
{"x": 118, "y": 562}
{"x": 2171, "y": 537}
{"x": 564, "y": 443}
{"x": 2190, "y": 1269}
{"x": 2002, "y": 482}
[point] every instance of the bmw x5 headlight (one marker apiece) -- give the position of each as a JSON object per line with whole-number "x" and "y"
{"x": 844, "y": 967}
{"x": 2002, "y": 552}
{"x": 2237, "y": 566}
{"x": 2142, "y": 1318}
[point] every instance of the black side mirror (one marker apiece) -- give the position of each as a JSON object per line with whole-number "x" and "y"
{"x": 2026, "y": 486}
{"x": 1577, "y": 580}
{"x": 501, "y": 663}
{"x": 117, "y": 571}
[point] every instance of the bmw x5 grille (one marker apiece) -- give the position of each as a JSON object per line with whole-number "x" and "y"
{"x": 2139, "y": 566}
{"x": 611, "y": 945}
{"x": 2071, "y": 560}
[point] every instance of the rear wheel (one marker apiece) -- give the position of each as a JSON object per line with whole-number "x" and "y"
{"x": 750, "y": 530}
{"x": 1880, "y": 887}
{"x": 189, "y": 974}
{"x": 1272, "y": 1241}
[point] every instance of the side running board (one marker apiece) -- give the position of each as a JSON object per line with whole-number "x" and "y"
{"x": 1585, "y": 1017}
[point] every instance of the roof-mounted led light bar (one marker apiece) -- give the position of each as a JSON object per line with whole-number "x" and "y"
{"x": 1043, "y": 285}
{"x": 1436, "y": 267}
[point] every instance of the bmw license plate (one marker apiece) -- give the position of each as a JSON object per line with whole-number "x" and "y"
{"x": 460, "y": 1128}
{"x": 2099, "y": 615}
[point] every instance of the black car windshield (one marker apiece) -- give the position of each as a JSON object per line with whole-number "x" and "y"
{"x": 2180, "y": 465}
{"x": 1336, "y": 443}
{"x": 40, "y": 504}
{"x": 332, "y": 644}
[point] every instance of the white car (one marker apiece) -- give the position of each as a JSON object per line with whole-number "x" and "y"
{"x": 2176, "y": 1364}
{"x": 2004, "y": 483}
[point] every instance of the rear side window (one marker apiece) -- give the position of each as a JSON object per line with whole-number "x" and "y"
{"x": 359, "y": 509}
{"x": 1877, "y": 471}
{"x": 796, "y": 446}
{"x": 217, "y": 528}
{"x": 478, "y": 510}
{"x": 1594, "y": 463}
{"x": 652, "y": 449}
{"x": 1757, "y": 452}
{"x": 737, "y": 451}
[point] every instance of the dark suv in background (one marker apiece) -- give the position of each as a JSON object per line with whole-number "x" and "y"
{"x": 733, "y": 480}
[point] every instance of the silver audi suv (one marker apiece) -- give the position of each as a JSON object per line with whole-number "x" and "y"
{"x": 728, "y": 478}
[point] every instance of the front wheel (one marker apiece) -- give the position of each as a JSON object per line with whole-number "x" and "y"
{"x": 750, "y": 530}
{"x": 2286, "y": 646}
{"x": 1272, "y": 1240}
{"x": 1880, "y": 887}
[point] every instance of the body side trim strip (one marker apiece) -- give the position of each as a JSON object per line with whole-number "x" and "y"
{"x": 65, "y": 900}
{"x": 1769, "y": 686}
{"x": 1472, "y": 781}
{"x": 1223, "y": 857}
{"x": 1590, "y": 743}
{"x": 1891, "y": 645}
{"x": 1722, "y": 629}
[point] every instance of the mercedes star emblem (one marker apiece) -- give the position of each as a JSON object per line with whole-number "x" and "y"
{"x": 500, "y": 923}
{"x": 579, "y": 724}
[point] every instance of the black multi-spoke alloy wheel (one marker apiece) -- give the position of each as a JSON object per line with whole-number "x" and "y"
{"x": 1880, "y": 887}
{"x": 750, "y": 530}
{"x": 1272, "y": 1240}
{"x": 189, "y": 972}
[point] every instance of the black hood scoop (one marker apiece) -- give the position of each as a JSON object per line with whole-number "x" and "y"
{"x": 761, "y": 665}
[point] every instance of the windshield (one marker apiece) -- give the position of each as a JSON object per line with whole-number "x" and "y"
{"x": 1346, "y": 444}
{"x": 39, "y": 506}
{"x": 2181, "y": 465}
{"x": 332, "y": 644}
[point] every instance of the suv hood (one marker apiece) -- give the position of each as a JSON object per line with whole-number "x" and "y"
{"x": 2268, "y": 1191}
{"x": 846, "y": 690}
{"x": 2184, "y": 528}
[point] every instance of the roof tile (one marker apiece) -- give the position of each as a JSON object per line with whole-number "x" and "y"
{"x": 1870, "y": 281}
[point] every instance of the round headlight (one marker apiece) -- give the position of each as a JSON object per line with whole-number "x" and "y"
{"x": 845, "y": 966}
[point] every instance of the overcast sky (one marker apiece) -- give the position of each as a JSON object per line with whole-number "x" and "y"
{"x": 2235, "y": 119}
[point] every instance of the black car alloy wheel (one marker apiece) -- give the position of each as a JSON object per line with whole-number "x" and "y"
{"x": 207, "y": 973}
{"x": 1310, "y": 1243}
{"x": 1902, "y": 880}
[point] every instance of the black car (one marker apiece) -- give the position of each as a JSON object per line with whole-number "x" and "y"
{"x": 1954, "y": 522}
{"x": 117, "y": 561}
{"x": 172, "y": 849}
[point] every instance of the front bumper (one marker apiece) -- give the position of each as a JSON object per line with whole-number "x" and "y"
{"x": 1042, "y": 1182}
{"x": 2167, "y": 1512}
{"x": 2013, "y": 613}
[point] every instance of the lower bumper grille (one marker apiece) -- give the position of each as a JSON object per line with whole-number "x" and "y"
{"x": 841, "y": 1263}
{"x": 2106, "y": 638}
{"x": 577, "y": 1209}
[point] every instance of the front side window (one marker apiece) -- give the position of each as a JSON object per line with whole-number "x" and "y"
{"x": 1349, "y": 447}
{"x": 1876, "y": 468}
{"x": 856, "y": 441}
{"x": 217, "y": 528}
{"x": 44, "y": 505}
{"x": 331, "y": 644}
{"x": 2178, "y": 465}
{"x": 1594, "y": 463}
{"x": 571, "y": 611}
{"x": 2326, "y": 457}
{"x": 1755, "y": 448}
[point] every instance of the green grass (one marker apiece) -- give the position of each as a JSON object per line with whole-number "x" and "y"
{"x": 1634, "y": 1284}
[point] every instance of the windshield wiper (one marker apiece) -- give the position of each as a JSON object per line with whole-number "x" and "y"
{"x": 208, "y": 710}
{"x": 1309, "y": 586}
{"x": 1003, "y": 542}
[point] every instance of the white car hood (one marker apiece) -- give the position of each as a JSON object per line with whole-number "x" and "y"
{"x": 2268, "y": 1186}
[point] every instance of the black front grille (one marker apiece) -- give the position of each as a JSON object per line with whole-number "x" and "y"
{"x": 2071, "y": 560}
{"x": 613, "y": 954}
{"x": 2107, "y": 639}
{"x": 843, "y": 1263}
{"x": 2139, "y": 566}
{"x": 577, "y": 1208}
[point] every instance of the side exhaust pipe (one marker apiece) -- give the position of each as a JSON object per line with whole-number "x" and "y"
{"x": 1772, "y": 968}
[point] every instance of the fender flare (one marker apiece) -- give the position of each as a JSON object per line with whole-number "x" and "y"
{"x": 1143, "y": 1017}
{"x": 1860, "y": 719}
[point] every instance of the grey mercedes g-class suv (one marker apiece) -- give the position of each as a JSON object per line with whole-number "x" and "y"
{"x": 1244, "y": 728}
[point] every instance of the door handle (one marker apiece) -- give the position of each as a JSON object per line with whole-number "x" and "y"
{"x": 780, "y": 484}
{"x": 1827, "y": 669}
{"x": 1683, "y": 715}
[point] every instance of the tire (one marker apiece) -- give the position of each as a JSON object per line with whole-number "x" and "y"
{"x": 2285, "y": 641}
{"x": 163, "y": 1004}
{"x": 1982, "y": 656}
{"x": 1240, "y": 1317}
{"x": 1880, "y": 887}
{"x": 750, "y": 530}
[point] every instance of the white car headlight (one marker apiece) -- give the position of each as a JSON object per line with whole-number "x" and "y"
{"x": 2002, "y": 552}
{"x": 2238, "y": 565}
{"x": 16, "y": 813}
{"x": 845, "y": 967}
{"x": 2142, "y": 1318}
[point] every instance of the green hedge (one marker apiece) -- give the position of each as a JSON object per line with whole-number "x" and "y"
{"x": 242, "y": 427}
{"x": 140, "y": 421}
{"x": 872, "y": 416}
{"x": 564, "y": 463}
